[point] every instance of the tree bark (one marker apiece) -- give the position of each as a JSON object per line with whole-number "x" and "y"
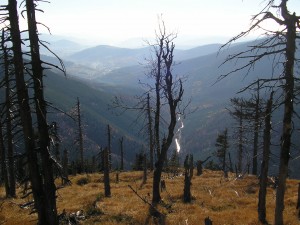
{"x": 80, "y": 136}
{"x": 144, "y": 168}
{"x": 25, "y": 112}
{"x": 240, "y": 149}
{"x": 109, "y": 146}
{"x": 107, "y": 192}
{"x": 9, "y": 167}
{"x": 48, "y": 185}
{"x": 172, "y": 103}
{"x": 265, "y": 163}
{"x": 290, "y": 22}
{"x": 150, "y": 131}
{"x": 187, "y": 197}
{"x": 3, "y": 163}
{"x": 122, "y": 154}
{"x": 158, "y": 95}
{"x": 256, "y": 128}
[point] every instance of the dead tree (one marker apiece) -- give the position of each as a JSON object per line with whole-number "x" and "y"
{"x": 25, "y": 113}
{"x": 150, "y": 132}
{"x": 280, "y": 44}
{"x": 41, "y": 115}
{"x": 122, "y": 153}
{"x": 9, "y": 167}
{"x": 40, "y": 163}
{"x": 222, "y": 148}
{"x": 3, "y": 163}
{"x": 80, "y": 135}
{"x": 109, "y": 146}
{"x": 208, "y": 221}
{"x": 257, "y": 116}
{"x": 107, "y": 192}
{"x": 171, "y": 90}
{"x": 263, "y": 180}
{"x": 199, "y": 165}
{"x": 187, "y": 196}
{"x": 144, "y": 168}
{"x": 240, "y": 114}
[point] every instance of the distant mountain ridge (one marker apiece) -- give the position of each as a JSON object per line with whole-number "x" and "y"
{"x": 200, "y": 65}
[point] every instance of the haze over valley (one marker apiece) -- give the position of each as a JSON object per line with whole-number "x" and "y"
{"x": 98, "y": 74}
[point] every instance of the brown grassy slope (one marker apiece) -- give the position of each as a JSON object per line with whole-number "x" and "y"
{"x": 224, "y": 201}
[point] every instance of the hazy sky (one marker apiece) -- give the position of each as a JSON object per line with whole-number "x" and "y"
{"x": 115, "y": 21}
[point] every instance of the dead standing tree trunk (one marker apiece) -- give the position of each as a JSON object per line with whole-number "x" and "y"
{"x": 291, "y": 21}
{"x": 122, "y": 154}
{"x": 107, "y": 192}
{"x": 263, "y": 181}
{"x": 3, "y": 163}
{"x": 256, "y": 132}
{"x": 150, "y": 131}
{"x": 8, "y": 168}
{"x": 80, "y": 136}
{"x": 25, "y": 113}
{"x": 173, "y": 92}
{"x": 280, "y": 42}
{"x": 109, "y": 146}
{"x": 188, "y": 166}
{"x": 49, "y": 188}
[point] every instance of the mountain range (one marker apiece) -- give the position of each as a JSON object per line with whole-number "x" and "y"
{"x": 96, "y": 75}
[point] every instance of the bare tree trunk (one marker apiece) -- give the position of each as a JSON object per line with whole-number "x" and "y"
{"x": 106, "y": 174}
{"x": 109, "y": 146}
{"x": 199, "y": 168}
{"x": 208, "y": 221}
{"x": 187, "y": 197}
{"x": 265, "y": 163}
{"x": 256, "y": 127}
{"x": 172, "y": 103}
{"x": 240, "y": 149}
{"x": 158, "y": 79}
{"x": 3, "y": 163}
{"x": 122, "y": 154}
{"x": 291, "y": 22}
{"x": 144, "y": 168}
{"x": 10, "y": 167}
{"x": 25, "y": 112}
{"x": 49, "y": 188}
{"x": 150, "y": 131}
{"x": 80, "y": 136}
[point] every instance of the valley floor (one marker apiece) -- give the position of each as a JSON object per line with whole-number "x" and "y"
{"x": 225, "y": 201}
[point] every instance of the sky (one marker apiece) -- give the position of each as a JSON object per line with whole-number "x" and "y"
{"x": 120, "y": 22}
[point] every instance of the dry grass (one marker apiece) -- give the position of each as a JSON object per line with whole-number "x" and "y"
{"x": 226, "y": 202}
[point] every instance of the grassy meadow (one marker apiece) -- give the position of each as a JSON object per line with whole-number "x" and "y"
{"x": 226, "y": 201}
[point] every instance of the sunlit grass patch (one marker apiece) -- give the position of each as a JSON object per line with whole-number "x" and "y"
{"x": 225, "y": 201}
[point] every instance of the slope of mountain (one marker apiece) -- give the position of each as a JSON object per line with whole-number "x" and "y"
{"x": 62, "y": 92}
{"x": 209, "y": 99}
{"x": 104, "y": 58}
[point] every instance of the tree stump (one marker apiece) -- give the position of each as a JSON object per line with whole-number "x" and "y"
{"x": 207, "y": 221}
